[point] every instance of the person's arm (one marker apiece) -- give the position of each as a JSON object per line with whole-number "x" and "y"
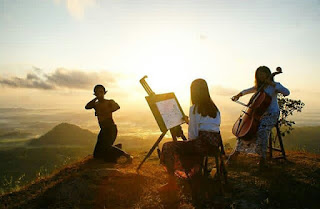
{"x": 248, "y": 91}
{"x": 281, "y": 89}
{"x": 193, "y": 126}
{"x": 244, "y": 92}
{"x": 91, "y": 104}
{"x": 114, "y": 106}
{"x": 186, "y": 119}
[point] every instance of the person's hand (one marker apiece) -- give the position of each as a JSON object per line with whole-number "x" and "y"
{"x": 236, "y": 97}
{"x": 186, "y": 118}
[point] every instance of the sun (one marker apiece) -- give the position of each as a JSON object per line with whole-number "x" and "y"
{"x": 168, "y": 68}
{"x": 171, "y": 60}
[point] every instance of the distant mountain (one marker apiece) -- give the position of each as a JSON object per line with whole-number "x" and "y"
{"x": 66, "y": 134}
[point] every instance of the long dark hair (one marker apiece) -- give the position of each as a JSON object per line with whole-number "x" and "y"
{"x": 201, "y": 99}
{"x": 264, "y": 69}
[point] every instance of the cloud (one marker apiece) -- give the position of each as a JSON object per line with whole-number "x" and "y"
{"x": 37, "y": 70}
{"x": 32, "y": 76}
{"x": 77, "y": 8}
{"x": 30, "y": 81}
{"x": 79, "y": 79}
{"x": 223, "y": 91}
{"x": 60, "y": 78}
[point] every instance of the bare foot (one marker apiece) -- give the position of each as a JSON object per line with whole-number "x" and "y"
{"x": 129, "y": 159}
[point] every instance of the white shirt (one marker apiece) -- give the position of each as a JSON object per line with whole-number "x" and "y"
{"x": 199, "y": 123}
{"x": 273, "y": 92}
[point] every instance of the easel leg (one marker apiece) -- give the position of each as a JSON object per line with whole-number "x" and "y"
{"x": 152, "y": 149}
{"x": 173, "y": 134}
{"x": 280, "y": 141}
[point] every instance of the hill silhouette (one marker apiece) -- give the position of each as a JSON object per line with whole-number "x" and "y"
{"x": 91, "y": 183}
{"x": 66, "y": 134}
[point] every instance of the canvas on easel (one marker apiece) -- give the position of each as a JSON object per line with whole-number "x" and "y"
{"x": 166, "y": 110}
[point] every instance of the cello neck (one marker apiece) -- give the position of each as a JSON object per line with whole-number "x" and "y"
{"x": 278, "y": 71}
{"x": 261, "y": 88}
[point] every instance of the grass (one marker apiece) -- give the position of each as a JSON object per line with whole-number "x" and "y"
{"x": 21, "y": 166}
{"x": 91, "y": 183}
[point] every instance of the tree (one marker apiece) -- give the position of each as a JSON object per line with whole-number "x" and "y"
{"x": 288, "y": 107}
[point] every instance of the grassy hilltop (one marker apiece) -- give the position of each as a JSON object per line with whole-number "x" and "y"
{"x": 91, "y": 183}
{"x": 52, "y": 172}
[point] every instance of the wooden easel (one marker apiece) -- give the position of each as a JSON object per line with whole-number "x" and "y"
{"x": 271, "y": 148}
{"x": 175, "y": 131}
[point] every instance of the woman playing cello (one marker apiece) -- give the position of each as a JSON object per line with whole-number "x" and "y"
{"x": 264, "y": 79}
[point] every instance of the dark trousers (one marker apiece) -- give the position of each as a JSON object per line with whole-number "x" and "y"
{"x": 104, "y": 148}
{"x": 184, "y": 155}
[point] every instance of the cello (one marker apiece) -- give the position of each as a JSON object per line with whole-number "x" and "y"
{"x": 247, "y": 124}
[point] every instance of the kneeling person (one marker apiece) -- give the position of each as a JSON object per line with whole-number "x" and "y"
{"x": 104, "y": 108}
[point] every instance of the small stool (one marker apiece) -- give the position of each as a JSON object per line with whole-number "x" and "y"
{"x": 221, "y": 173}
{"x": 203, "y": 185}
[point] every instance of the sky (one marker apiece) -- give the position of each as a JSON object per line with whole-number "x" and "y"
{"x": 52, "y": 52}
